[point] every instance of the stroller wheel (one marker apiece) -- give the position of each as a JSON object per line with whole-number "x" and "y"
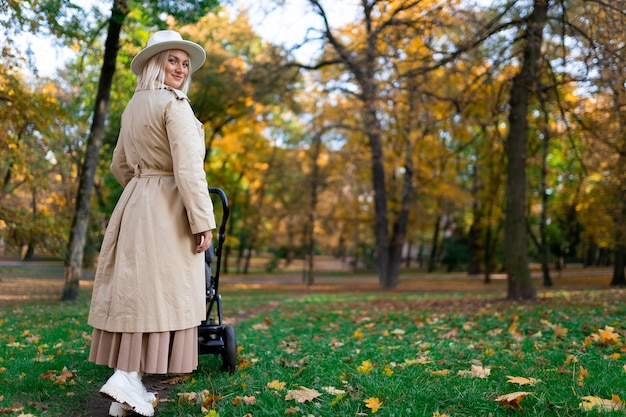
{"x": 229, "y": 354}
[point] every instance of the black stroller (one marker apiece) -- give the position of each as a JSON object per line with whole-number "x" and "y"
{"x": 214, "y": 337}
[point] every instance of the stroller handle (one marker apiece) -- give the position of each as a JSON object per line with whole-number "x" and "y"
{"x": 221, "y": 234}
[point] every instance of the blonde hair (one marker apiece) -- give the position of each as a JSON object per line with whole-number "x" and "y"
{"x": 153, "y": 74}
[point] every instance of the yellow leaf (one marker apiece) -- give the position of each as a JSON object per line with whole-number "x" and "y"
{"x": 365, "y": 367}
{"x": 590, "y": 403}
{"x": 608, "y": 335}
{"x": 441, "y": 372}
{"x": 276, "y": 384}
{"x": 213, "y": 413}
{"x": 373, "y": 404}
{"x": 302, "y": 395}
{"x": 520, "y": 380}
{"x": 438, "y": 414}
{"x": 358, "y": 334}
{"x": 513, "y": 399}
{"x": 388, "y": 371}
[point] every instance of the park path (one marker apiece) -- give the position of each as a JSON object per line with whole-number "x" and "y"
{"x": 43, "y": 281}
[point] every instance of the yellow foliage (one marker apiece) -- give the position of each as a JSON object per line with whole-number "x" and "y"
{"x": 373, "y": 404}
{"x": 365, "y": 367}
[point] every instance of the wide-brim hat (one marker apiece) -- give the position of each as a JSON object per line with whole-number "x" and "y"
{"x": 165, "y": 40}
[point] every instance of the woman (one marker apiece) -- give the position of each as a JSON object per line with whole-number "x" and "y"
{"x": 148, "y": 295}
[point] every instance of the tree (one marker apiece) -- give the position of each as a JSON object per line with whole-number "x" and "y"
{"x": 367, "y": 53}
{"x": 520, "y": 285}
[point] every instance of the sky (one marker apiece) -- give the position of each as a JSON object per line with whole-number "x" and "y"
{"x": 283, "y": 25}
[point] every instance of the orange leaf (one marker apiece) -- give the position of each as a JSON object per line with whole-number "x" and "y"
{"x": 608, "y": 335}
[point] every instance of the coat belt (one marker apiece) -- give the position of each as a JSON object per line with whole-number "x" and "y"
{"x": 148, "y": 172}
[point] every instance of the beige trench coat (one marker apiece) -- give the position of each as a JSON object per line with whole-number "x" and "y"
{"x": 149, "y": 277}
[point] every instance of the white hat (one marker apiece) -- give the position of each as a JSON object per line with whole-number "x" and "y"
{"x": 164, "y": 40}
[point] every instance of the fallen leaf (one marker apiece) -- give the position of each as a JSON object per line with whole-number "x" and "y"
{"x": 479, "y": 371}
{"x": 608, "y": 335}
{"x": 441, "y": 372}
{"x": 292, "y": 410}
{"x": 365, "y": 367}
{"x": 590, "y": 403}
{"x": 247, "y": 400}
{"x": 373, "y": 404}
{"x": 513, "y": 399}
{"x": 334, "y": 391}
{"x": 520, "y": 380}
{"x": 276, "y": 384}
{"x": 302, "y": 395}
{"x": 422, "y": 360}
{"x": 209, "y": 401}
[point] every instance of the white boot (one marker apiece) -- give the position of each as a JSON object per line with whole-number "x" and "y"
{"x": 126, "y": 388}
{"x": 123, "y": 410}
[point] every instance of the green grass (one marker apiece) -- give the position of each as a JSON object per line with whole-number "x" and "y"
{"x": 412, "y": 352}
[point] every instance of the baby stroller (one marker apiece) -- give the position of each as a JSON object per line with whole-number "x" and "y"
{"x": 214, "y": 337}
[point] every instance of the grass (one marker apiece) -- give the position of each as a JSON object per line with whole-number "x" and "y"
{"x": 417, "y": 354}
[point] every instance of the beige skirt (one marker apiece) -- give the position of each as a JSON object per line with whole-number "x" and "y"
{"x": 152, "y": 353}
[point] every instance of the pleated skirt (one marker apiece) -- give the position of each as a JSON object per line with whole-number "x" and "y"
{"x": 152, "y": 353}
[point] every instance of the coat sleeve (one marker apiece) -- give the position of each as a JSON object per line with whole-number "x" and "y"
{"x": 122, "y": 172}
{"x": 186, "y": 140}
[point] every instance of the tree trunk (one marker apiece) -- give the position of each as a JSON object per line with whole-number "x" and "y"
{"x": 372, "y": 126}
{"x": 432, "y": 259}
{"x": 544, "y": 250}
{"x": 619, "y": 278}
{"x": 520, "y": 285}
{"x": 473, "y": 268}
{"x": 402, "y": 222}
{"x": 314, "y": 183}
{"x": 74, "y": 257}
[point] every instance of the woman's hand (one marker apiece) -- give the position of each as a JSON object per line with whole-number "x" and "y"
{"x": 203, "y": 241}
